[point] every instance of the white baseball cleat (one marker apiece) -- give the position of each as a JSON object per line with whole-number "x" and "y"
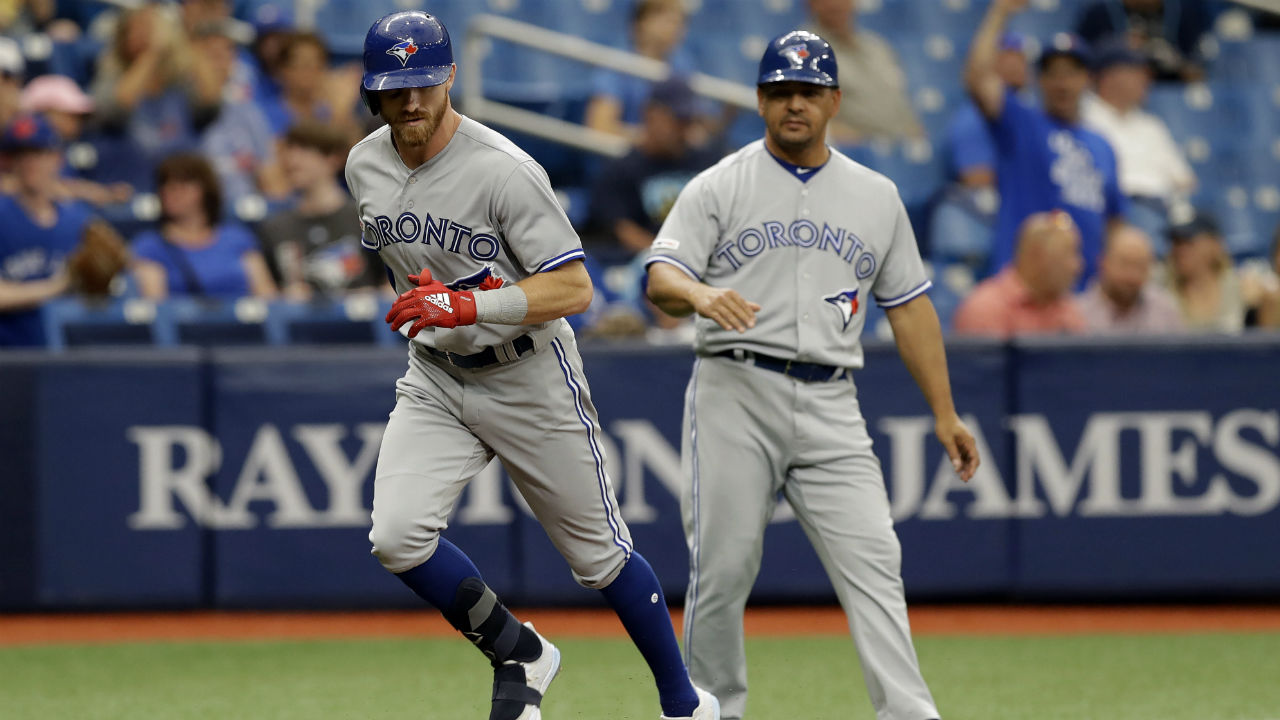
{"x": 526, "y": 682}
{"x": 708, "y": 707}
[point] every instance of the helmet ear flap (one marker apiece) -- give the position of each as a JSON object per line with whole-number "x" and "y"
{"x": 370, "y": 100}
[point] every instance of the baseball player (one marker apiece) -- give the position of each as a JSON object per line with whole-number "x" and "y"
{"x": 777, "y": 248}
{"x": 488, "y": 266}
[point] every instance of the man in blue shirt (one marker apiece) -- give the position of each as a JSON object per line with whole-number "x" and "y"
{"x": 1045, "y": 160}
{"x": 38, "y": 230}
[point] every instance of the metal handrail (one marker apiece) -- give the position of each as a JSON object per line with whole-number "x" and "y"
{"x": 575, "y": 48}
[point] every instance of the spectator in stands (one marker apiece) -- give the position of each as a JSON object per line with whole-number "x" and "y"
{"x": 1154, "y": 174}
{"x": 876, "y": 102}
{"x": 1203, "y": 279}
{"x": 633, "y": 194}
{"x": 239, "y": 141}
{"x": 314, "y": 247}
{"x": 310, "y": 91}
{"x": 148, "y": 86}
{"x": 39, "y": 230}
{"x": 193, "y": 253}
{"x": 272, "y": 29}
{"x": 1261, "y": 287}
{"x": 1166, "y": 31}
{"x": 965, "y": 216}
{"x": 618, "y": 101}
{"x": 1121, "y": 300}
{"x": 67, "y": 108}
{"x": 1033, "y": 294}
{"x": 1045, "y": 159}
{"x": 12, "y": 69}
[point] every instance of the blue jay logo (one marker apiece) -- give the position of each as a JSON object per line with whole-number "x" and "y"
{"x": 403, "y": 51}
{"x": 795, "y": 54}
{"x": 483, "y": 279}
{"x": 846, "y": 302}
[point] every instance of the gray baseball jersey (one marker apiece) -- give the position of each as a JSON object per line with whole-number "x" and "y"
{"x": 480, "y": 209}
{"x": 811, "y": 246}
{"x": 809, "y": 252}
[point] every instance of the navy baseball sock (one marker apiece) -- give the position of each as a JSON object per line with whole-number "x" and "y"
{"x": 451, "y": 582}
{"x": 637, "y": 599}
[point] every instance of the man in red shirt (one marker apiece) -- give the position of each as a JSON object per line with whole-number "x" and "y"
{"x": 1032, "y": 294}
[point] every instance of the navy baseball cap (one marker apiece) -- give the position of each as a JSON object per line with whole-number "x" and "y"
{"x": 799, "y": 56}
{"x": 1117, "y": 53}
{"x": 675, "y": 95}
{"x": 29, "y": 132}
{"x": 1066, "y": 44}
{"x": 1201, "y": 223}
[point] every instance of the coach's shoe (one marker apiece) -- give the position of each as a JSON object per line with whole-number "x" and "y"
{"x": 522, "y": 684}
{"x": 708, "y": 707}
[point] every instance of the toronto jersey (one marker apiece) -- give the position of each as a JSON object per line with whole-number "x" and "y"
{"x": 811, "y": 252}
{"x": 479, "y": 209}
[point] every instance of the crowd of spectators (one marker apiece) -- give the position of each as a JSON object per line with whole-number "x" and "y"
{"x": 212, "y": 135}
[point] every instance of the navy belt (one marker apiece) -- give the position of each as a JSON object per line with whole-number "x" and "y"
{"x": 806, "y": 371}
{"x": 484, "y": 358}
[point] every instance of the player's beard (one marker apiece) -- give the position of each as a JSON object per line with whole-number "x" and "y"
{"x": 415, "y": 135}
{"x": 792, "y": 141}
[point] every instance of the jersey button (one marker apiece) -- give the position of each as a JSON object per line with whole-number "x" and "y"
{"x": 410, "y": 203}
{"x": 413, "y": 180}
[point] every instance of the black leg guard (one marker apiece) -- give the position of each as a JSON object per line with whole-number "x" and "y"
{"x": 479, "y": 615}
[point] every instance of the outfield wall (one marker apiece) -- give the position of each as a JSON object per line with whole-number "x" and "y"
{"x": 242, "y": 478}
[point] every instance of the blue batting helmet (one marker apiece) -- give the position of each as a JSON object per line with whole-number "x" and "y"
{"x": 798, "y": 56}
{"x": 402, "y": 50}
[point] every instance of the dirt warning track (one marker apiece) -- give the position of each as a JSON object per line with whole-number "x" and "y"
{"x": 39, "y": 629}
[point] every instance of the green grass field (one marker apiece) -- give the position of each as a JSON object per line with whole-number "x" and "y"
{"x": 1138, "y": 677}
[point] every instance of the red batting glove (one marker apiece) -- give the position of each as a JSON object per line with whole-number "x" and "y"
{"x": 431, "y": 304}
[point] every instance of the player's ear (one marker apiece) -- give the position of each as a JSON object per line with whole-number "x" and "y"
{"x": 453, "y": 71}
{"x": 836, "y": 95}
{"x": 760, "y": 101}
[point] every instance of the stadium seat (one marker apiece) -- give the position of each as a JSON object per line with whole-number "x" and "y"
{"x": 73, "y": 322}
{"x": 204, "y": 322}
{"x": 343, "y": 24}
{"x": 347, "y": 322}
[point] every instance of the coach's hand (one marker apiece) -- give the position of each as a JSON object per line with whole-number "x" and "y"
{"x": 958, "y": 441}
{"x": 726, "y": 307}
{"x": 431, "y": 304}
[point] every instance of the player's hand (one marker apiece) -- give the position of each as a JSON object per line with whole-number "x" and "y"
{"x": 724, "y": 305}
{"x": 961, "y": 448}
{"x": 431, "y": 304}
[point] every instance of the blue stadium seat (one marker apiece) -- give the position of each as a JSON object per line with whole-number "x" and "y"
{"x": 888, "y": 17}
{"x": 204, "y": 322}
{"x": 73, "y": 322}
{"x": 1200, "y": 113}
{"x": 325, "y": 323}
{"x": 1044, "y": 18}
{"x": 959, "y": 232}
{"x": 344, "y": 23}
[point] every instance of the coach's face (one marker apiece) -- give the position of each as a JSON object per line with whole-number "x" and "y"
{"x": 796, "y": 114}
{"x": 415, "y": 113}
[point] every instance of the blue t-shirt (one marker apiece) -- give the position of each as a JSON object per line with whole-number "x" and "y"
{"x": 217, "y": 268}
{"x": 1043, "y": 164}
{"x": 30, "y": 252}
{"x": 633, "y": 92}
{"x": 969, "y": 143}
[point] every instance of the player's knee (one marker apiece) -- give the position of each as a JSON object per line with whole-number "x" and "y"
{"x": 600, "y": 573}
{"x": 401, "y": 545}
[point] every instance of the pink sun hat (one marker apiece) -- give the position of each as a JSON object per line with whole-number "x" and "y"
{"x": 55, "y": 92}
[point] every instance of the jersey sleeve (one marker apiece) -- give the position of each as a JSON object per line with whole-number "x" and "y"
{"x": 902, "y": 276}
{"x": 690, "y": 232}
{"x": 534, "y": 227}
